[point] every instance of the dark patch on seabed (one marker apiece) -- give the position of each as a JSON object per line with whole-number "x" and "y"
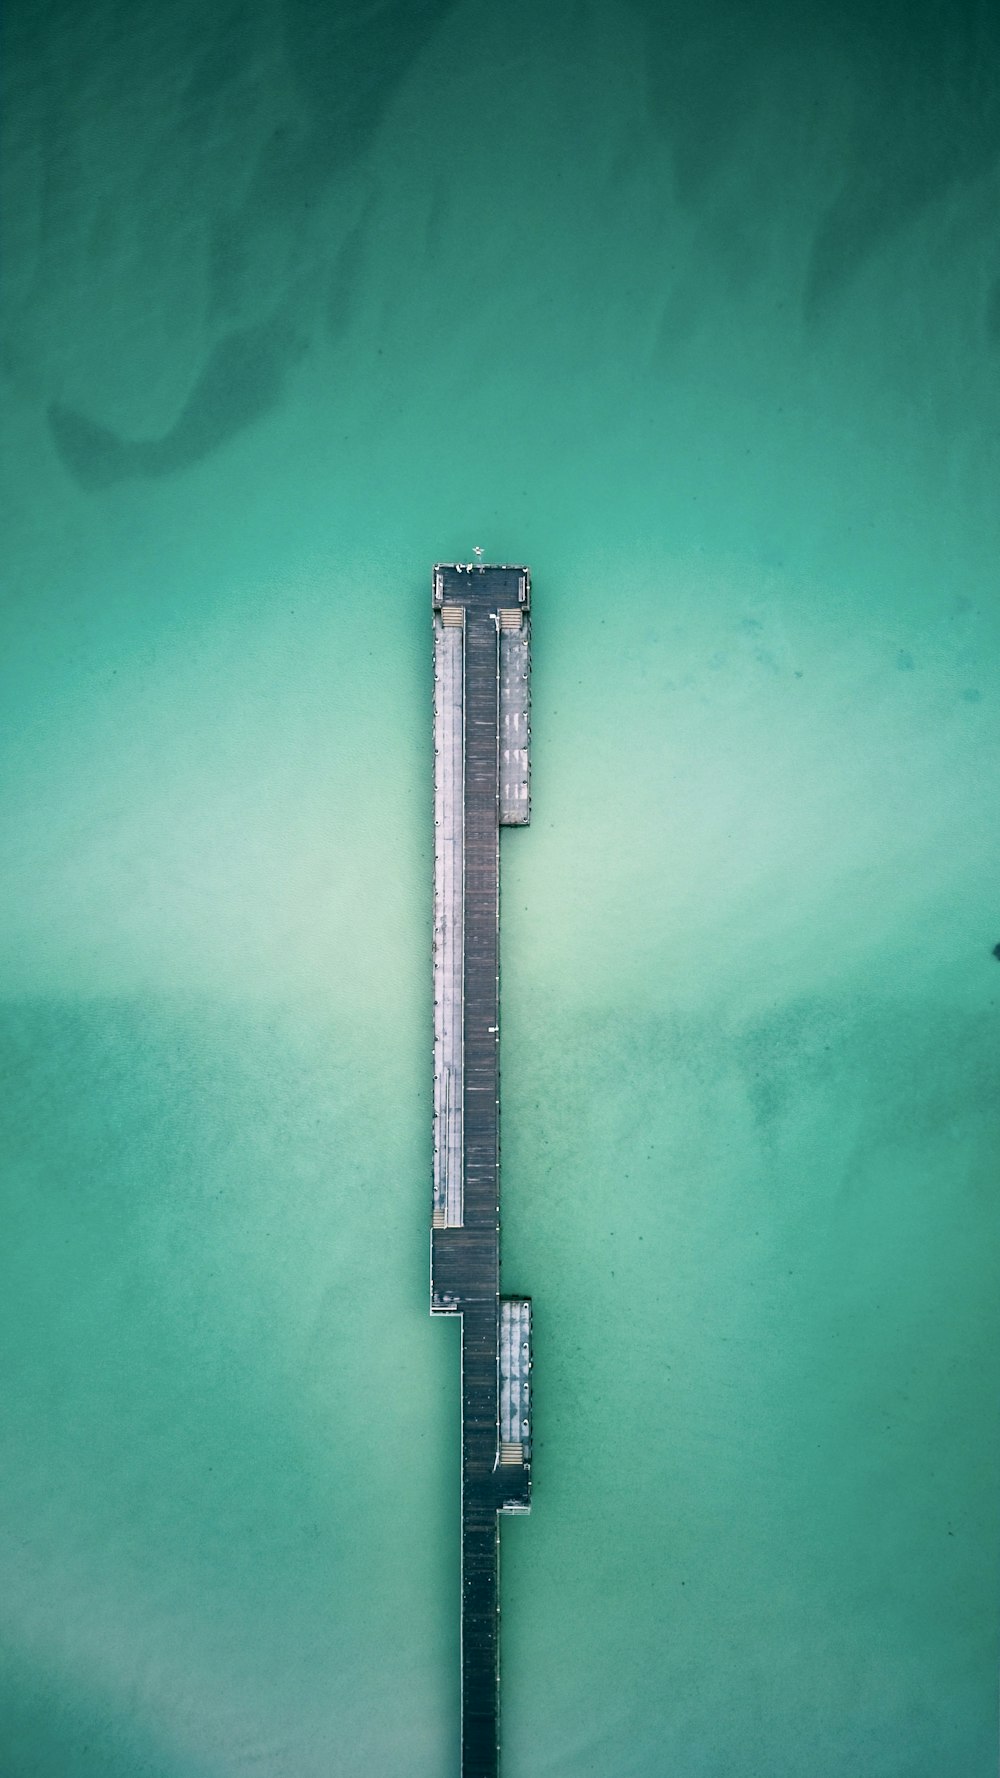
{"x": 993, "y": 314}
{"x": 927, "y": 122}
{"x": 243, "y": 380}
{"x": 921, "y": 103}
{"x": 346, "y": 64}
{"x": 346, "y": 271}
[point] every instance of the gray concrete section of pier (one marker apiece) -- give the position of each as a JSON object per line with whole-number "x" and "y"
{"x": 449, "y": 909}
{"x": 515, "y": 1381}
{"x": 515, "y": 717}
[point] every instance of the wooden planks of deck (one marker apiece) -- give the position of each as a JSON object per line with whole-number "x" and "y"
{"x": 476, "y": 789}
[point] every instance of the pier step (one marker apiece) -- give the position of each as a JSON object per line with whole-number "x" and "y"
{"x": 453, "y": 616}
{"x": 510, "y": 618}
{"x": 511, "y": 1452}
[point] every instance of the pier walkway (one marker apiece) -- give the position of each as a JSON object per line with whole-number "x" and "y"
{"x": 481, "y": 781}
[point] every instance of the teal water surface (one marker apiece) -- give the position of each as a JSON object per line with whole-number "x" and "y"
{"x": 696, "y": 310}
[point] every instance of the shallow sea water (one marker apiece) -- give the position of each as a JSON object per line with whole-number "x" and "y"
{"x": 696, "y": 311}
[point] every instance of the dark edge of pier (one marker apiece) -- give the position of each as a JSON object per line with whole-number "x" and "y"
{"x": 481, "y": 687}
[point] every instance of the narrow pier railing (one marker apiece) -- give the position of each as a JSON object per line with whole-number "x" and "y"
{"x": 481, "y": 781}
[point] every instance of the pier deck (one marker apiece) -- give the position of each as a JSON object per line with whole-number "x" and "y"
{"x": 481, "y": 781}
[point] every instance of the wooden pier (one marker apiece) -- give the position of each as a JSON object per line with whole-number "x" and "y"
{"x": 481, "y": 782}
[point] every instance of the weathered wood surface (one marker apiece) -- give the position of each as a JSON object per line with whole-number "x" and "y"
{"x": 465, "y": 1254}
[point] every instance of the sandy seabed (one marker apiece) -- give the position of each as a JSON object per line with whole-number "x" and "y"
{"x": 701, "y": 319}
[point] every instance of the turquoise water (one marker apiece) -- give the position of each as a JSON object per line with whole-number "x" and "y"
{"x": 698, "y": 313}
